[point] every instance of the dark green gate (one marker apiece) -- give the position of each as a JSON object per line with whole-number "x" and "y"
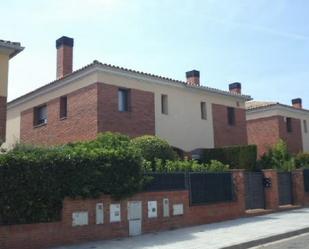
{"x": 254, "y": 188}
{"x": 285, "y": 188}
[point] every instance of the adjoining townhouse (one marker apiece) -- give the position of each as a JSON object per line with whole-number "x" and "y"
{"x": 267, "y": 122}
{"x": 7, "y": 51}
{"x": 101, "y": 97}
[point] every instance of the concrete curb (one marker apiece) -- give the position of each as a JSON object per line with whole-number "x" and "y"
{"x": 266, "y": 240}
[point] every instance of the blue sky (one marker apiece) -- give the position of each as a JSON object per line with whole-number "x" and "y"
{"x": 262, "y": 44}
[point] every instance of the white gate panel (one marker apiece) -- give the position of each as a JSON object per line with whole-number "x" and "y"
{"x": 99, "y": 213}
{"x": 135, "y": 217}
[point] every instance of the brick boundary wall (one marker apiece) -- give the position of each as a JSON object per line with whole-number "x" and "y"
{"x": 44, "y": 235}
{"x": 272, "y": 193}
{"x": 225, "y": 134}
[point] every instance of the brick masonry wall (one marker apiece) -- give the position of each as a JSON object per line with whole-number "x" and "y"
{"x": 263, "y": 132}
{"x": 225, "y": 134}
{"x": 91, "y": 110}
{"x": 294, "y": 138}
{"x": 38, "y": 236}
{"x": 272, "y": 193}
{"x": 2, "y": 118}
{"x": 300, "y": 197}
{"x": 139, "y": 120}
{"x": 80, "y": 124}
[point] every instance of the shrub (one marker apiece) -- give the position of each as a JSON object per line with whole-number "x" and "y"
{"x": 302, "y": 160}
{"x": 238, "y": 157}
{"x": 189, "y": 166}
{"x": 278, "y": 158}
{"x": 34, "y": 181}
{"x": 153, "y": 148}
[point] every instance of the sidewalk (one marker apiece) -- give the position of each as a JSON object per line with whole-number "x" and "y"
{"x": 212, "y": 236}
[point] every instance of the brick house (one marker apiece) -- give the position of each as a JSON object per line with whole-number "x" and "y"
{"x": 100, "y": 97}
{"x": 267, "y": 122}
{"x": 7, "y": 51}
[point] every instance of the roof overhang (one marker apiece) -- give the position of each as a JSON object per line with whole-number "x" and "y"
{"x": 10, "y": 48}
{"x": 106, "y": 68}
{"x": 276, "y": 107}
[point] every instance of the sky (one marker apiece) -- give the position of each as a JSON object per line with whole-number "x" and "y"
{"x": 262, "y": 44}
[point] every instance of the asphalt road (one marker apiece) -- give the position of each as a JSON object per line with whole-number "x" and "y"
{"x": 298, "y": 242}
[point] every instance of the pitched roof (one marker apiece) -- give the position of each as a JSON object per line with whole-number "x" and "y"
{"x": 14, "y": 46}
{"x": 263, "y": 105}
{"x": 96, "y": 63}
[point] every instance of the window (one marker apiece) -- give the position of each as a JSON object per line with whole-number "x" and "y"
{"x": 231, "y": 115}
{"x": 63, "y": 107}
{"x": 123, "y": 100}
{"x": 203, "y": 110}
{"x": 288, "y": 124}
{"x": 164, "y": 104}
{"x": 305, "y": 126}
{"x": 40, "y": 115}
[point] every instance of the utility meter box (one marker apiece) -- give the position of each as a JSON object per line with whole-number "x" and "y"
{"x": 152, "y": 209}
{"x": 166, "y": 208}
{"x": 99, "y": 213}
{"x": 79, "y": 219}
{"x": 115, "y": 215}
{"x": 178, "y": 209}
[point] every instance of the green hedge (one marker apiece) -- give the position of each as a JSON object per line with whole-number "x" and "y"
{"x": 153, "y": 148}
{"x": 237, "y": 157}
{"x": 302, "y": 160}
{"x": 34, "y": 181}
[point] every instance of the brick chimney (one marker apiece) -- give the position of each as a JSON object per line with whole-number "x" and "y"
{"x": 297, "y": 103}
{"x": 235, "y": 87}
{"x": 193, "y": 77}
{"x": 64, "y": 47}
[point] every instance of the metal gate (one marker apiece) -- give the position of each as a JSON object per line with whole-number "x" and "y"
{"x": 285, "y": 188}
{"x": 254, "y": 190}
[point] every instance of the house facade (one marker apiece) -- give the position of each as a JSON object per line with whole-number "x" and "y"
{"x": 7, "y": 51}
{"x": 101, "y": 97}
{"x": 267, "y": 122}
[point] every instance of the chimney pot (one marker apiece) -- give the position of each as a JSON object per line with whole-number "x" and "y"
{"x": 193, "y": 77}
{"x": 64, "y": 47}
{"x": 297, "y": 103}
{"x": 235, "y": 87}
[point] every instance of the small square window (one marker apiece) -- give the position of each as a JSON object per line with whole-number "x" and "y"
{"x": 231, "y": 115}
{"x": 305, "y": 126}
{"x": 289, "y": 125}
{"x": 203, "y": 110}
{"x": 123, "y": 100}
{"x": 164, "y": 104}
{"x": 63, "y": 107}
{"x": 40, "y": 115}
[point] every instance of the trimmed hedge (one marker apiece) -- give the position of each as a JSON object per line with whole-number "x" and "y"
{"x": 237, "y": 157}
{"x": 153, "y": 148}
{"x": 34, "y": 181}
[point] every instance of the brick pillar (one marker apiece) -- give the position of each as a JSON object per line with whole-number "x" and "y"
{"x": 239, "y": 184}
{"x": 298, "y": 187}
{"x": 272, "y": 193}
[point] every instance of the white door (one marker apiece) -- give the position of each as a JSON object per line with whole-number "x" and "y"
{"x": 135, "y": 217}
